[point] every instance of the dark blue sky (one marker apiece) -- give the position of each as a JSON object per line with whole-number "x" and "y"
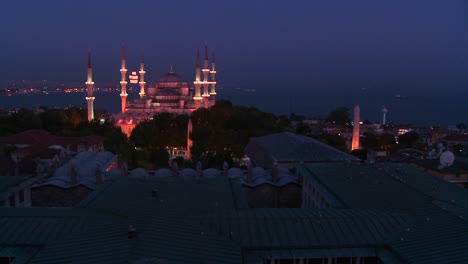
{"x": 338, "y": 44}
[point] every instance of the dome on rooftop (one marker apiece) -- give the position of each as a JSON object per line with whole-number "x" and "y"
{"x": 171, "y": 77}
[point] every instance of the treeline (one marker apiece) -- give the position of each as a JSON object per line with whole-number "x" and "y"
{"x": 71, "y": 121}
{"x": 219, "y": 133}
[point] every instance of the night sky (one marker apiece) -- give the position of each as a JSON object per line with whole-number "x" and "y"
{"x": 294, "y": 45}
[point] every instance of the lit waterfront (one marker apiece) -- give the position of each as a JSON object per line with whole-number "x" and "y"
{"x": 418, "y": 109}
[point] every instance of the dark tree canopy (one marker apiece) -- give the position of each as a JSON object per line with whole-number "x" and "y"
{"x": 408, "y": 139}
{"x": 340, "y": 116}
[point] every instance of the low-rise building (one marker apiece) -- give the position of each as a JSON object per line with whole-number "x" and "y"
{"x": 290, "y": 149}
{"x": 15, "y": 191}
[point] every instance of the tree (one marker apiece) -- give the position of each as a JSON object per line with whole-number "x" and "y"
{"x": 340, "y": 116}
{"x": 408, "y": 139}
{"x": 370, "y": 141}
{"x": 386, "y": 141}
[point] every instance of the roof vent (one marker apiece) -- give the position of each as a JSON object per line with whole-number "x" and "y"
{"x": 131, "y": 232}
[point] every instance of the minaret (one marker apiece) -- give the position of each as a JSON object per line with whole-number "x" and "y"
{"x": 142, "y": 77}
{"x": 355, "y": 142}
{"x": 123, "y": 82}
{"x": 213, "y": 77}
{"x": 197, "y": 82}
{"x": 206, "y": 71}
{"x": 384, "y": 112}
{"x": 89, "y": 89}
{"x": 189, "y": 141}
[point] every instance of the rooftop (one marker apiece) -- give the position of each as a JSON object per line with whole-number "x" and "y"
{"x": 288, "y": 147}
{"x": 438, "y": 210}
{"x": 7, "y": 182}
{"x": 460, "y": 165}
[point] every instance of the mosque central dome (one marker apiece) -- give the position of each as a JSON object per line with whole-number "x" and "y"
{"x": 171, "y": 77}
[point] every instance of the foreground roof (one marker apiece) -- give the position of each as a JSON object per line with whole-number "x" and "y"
{"x": 394, "y": 211}
{"x": 438, "y": 210}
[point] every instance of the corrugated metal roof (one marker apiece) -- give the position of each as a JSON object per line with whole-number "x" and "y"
{"x": 295, "y": 228}
{"x": 439, "y": 209}
{"x": 287, "y": 147}
{"x": 167, "y": 227}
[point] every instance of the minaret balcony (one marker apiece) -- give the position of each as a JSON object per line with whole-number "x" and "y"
{"x": 123, "y": 82}
{"x": 89, "y": 83}
{"x": 123, "y": 70}
{"x": 142, "y": 72}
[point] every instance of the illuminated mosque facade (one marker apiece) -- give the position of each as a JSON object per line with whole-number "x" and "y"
{"x": 171, "y": 93}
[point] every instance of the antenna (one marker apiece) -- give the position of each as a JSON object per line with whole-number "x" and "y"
{"x": 446, "y": 159}
{"x": 384, "y": 117}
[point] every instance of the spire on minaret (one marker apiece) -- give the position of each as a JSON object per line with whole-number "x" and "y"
{"x": 123, "y": 81}
{"x": 205, "y": 82}
{"x": 171, "y": 69}
{"x": 142, "y": 77}
{"x": 213, "y": 61}
{"x": 89, "y": 89}
{"x": 123, "y": 57}
{"x": 89, "y": 58}
{"x": 197, "y": 97}
{"x": 197, "y": 65}
{"x": 206, "y": 57}
{"x": 213, "y": 77}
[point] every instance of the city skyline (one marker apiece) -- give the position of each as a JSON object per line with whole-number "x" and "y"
{"x": 360, "y": 44}
{"x": 297, "y": 58}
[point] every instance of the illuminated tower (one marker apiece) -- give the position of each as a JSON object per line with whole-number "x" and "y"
{"x": 384, "y": 112}
{"x": 189, "y": 141}
{"x": 197, "y": 82}
{"x": 89, "y": 89}
{"x": 142, "y": 77}
{"x": 123, "y": 82}
{"x": 355, "y": 142}
{"x": 213, "y": 78}
{"x": 206, "y": 71}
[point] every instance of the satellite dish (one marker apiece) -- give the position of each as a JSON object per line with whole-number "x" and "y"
{"x": 446, "y": 159}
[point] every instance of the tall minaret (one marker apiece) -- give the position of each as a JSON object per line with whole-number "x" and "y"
{"x": 206, "y": 71}
{"x": 213, "y": 77}
{"x": 355, "y": 142}
{"x": 197, "y": 82}
{"x": 123, "y": 82}
{"x": 189, "y": 141}
{"x": 142, "y": 77}
{"x": 384, "y": 112}
{"x": 89, "y": 89}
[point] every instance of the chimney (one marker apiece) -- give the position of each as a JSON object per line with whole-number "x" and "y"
{"x": 274, "y": 172}
{"x": 225, "y": 169}
{"x": 98, "y": 175}
{"x": 73, "y": 175}
{"x": 131, "y": 232}
{"x": 175, "y": 168}
{"x": 199, "y": 169}
{"x": 249, "y": 173}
